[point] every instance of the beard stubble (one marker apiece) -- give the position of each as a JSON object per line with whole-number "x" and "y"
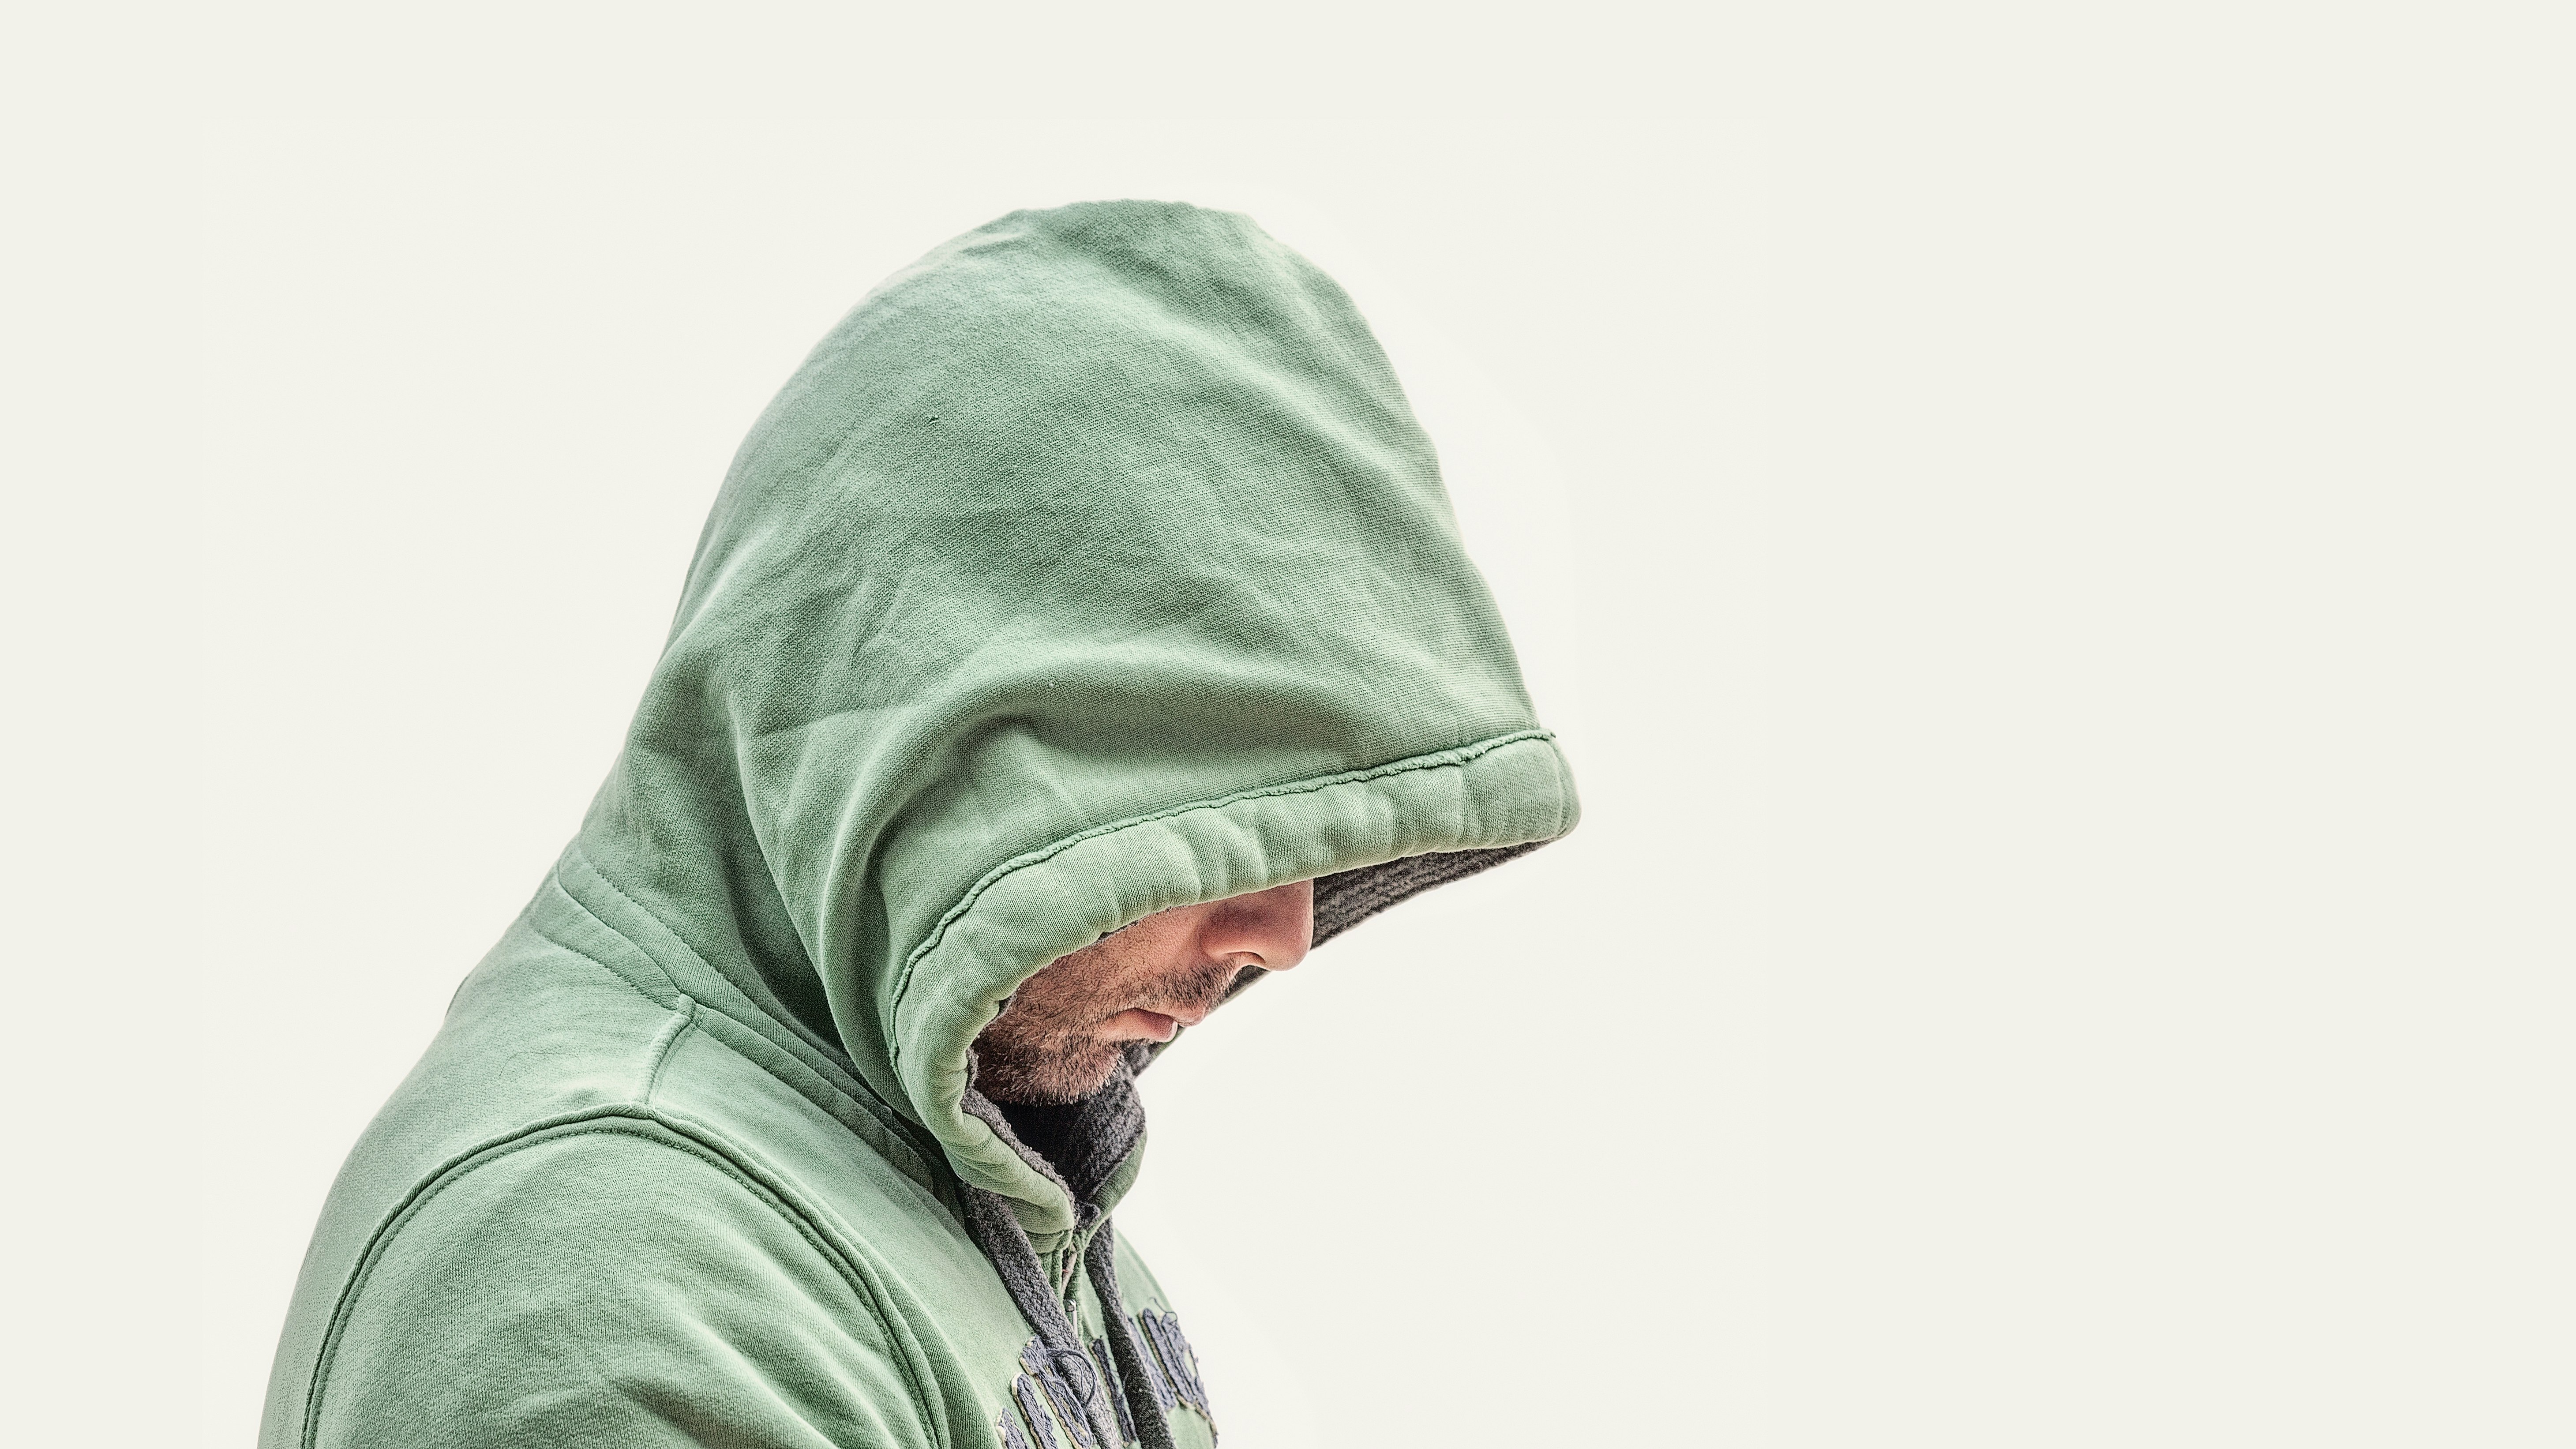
{"x": 1047, "y": 1045}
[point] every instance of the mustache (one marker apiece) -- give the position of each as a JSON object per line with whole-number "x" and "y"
{"x": 1204, "y": 987}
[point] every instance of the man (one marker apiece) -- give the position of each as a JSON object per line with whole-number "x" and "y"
{"x": 1082, "y": 634}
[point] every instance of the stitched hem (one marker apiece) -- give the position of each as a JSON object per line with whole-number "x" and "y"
{"x": 1458, "y": 756}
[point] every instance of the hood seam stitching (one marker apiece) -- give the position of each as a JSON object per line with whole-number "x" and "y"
{"x": 701, "y": 961}
{"x": 898, "y": 1134}
{"x": 665, "y": 1044}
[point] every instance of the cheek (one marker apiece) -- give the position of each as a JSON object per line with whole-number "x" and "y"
{"x": 1062, "y": 994}
{"x": 1082, "y": 990}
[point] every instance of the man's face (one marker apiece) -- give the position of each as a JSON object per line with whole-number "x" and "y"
{"x": 1059, "y": 1038}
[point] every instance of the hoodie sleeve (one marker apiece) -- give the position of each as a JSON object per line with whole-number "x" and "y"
{"x": 604, "y": 1288}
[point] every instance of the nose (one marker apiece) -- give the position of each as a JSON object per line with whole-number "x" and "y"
{"x": 1270, "y": 929}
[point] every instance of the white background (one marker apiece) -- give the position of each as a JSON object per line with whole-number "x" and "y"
{"x": 2047, "y": 535}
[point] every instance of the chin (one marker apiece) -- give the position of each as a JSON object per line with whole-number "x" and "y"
{"x": 1054, "y": 1081}
{"x": 1074, "y": 1086}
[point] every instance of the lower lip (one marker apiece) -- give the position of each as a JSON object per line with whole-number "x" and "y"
{"x": 1155, "y": 1025}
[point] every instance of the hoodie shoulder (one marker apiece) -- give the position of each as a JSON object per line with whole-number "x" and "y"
{"x": 612, "y": 1283}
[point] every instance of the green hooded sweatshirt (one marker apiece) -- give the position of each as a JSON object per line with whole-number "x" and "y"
{"x": 1091, "y": 567}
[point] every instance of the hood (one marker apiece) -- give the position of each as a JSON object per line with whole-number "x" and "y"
{"x": 1092, "y": 566}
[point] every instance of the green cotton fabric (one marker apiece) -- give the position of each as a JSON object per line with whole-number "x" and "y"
{"x": 1092, "y": 566}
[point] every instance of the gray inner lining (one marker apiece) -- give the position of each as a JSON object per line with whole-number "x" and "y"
{"x": 1343, "y": 901}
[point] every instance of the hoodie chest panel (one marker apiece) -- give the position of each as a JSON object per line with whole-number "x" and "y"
{"x": 982, "y": 1351}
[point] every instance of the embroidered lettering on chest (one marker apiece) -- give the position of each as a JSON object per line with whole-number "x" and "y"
{"x": 1054, "y": 1393}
